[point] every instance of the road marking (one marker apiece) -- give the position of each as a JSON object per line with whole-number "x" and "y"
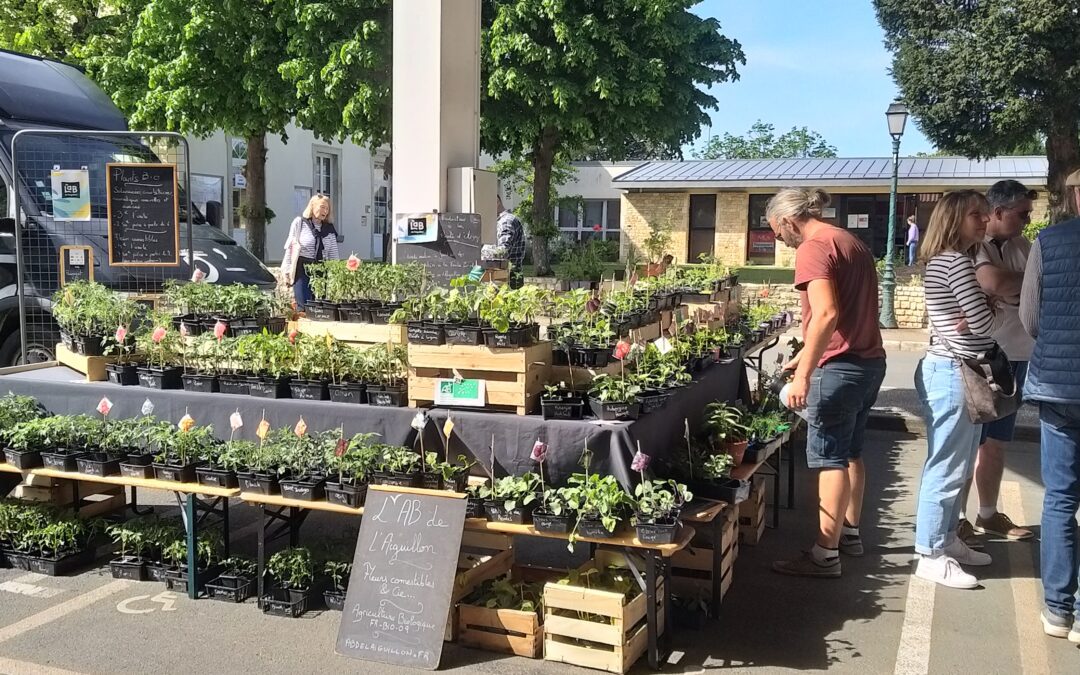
{"x": 1026, "y": 589}
{"x": 21, "y": 588}
{"x": 913, "y": 655}
{"x": 13, "y": 667}
{"x": 165, "y": 599}
{"x": 63, "y": 609}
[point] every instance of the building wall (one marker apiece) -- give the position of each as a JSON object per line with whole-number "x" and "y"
{"x": 290, "y": 180}
{"x": 732, "y": 216}
{"x": 641, "y": 209}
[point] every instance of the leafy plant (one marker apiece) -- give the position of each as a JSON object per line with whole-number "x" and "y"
{"x": 660, "y": 500}
{"x": 398, "y": 459}
{"x": 602, "y": 498}
{"x": 239, "y": 566}
{"x": 725, "y": 422}
{"x": 505, "y": 593}
{"x": 292, "y": 568}
{"x": 339, "y": 572}
{"x": 614, "y": 389}
{"x": 717, "y": 466}
{"x": 513, "y": 491}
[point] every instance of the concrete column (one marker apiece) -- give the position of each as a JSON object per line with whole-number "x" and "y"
{"x": 732, "y": 224}
{"x": 436, "y": 109}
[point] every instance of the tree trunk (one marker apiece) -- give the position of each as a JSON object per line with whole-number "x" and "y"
{"x": 1063, "y": 157}
{"x": 254, "y": 211}
{"x": 542, "y": 228}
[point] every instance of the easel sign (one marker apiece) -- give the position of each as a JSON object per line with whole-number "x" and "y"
{"x": 76, "y": 264}
{"x": 416, "y": 228}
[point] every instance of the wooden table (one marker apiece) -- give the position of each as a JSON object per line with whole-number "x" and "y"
{"x": 187, "y": 498}
{"x": 292, "y": 512}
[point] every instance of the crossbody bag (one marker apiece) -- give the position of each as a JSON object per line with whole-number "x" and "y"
{"x": 990, "y": 391}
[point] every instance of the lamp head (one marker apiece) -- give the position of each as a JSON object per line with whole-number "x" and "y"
{"x": 896, "y": 115}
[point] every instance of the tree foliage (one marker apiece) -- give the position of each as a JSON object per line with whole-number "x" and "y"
{"x": 761, "y": 142}
{"x": 984, "y": 76}
{"x": 565, "y": 76}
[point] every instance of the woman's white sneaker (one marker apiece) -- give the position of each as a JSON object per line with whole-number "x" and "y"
{"x": 965, "y": 555}
{"x": 945, "y": 571}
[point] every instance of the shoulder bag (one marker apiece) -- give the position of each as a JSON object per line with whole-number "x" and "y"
{"x": 990, "y": 391}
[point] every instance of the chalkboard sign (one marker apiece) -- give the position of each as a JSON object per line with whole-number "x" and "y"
{"x": 455, "y": 252}
{"x": 76, "y": 264}
{"x": 402, "y": 577}
{"x": 144, "y": 220}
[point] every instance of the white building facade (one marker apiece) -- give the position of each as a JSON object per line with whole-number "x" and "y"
{"x": 350, "y": 175}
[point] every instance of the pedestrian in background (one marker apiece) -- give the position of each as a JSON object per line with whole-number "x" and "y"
{"x": 999, "y": 267}
{"x": 838, "y": 372}
{"x": 312, "y": 238}
{"x": 962, "y": 319}
{"x": 511, "y": 236}
{"x": 912, "y": 240}
{"x": 1050, "y": 311}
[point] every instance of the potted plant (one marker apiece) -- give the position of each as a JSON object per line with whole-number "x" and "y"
{"x": 442, "y": 475}
{"x": 561, "y": 403}
{"x": 311, "y": 367}
{"x": 234, "y": 361}
{"x": 24, "y": 443}
{"x": 603, "y": 504}
{"x": 271, "y": 358}
{"x": 181, "y": 452}
{"x": 67, "y": 439}
{"x": 657, "y": 509}
{"x": 201, "y": 360}
{"x": 337, "y": 571}
{"x": 557, "y": 508}
{"x": 261, "y": 471}
{"x": 353, "y": 465}
{"x": 303, "y": 462}
{"x": 614, "y": 398}
{"x": 511, "y": 499}
{"x": 105, "y": 443}
{"x": 235, "y": 581}
{"x": 208, "y": 550}
{"x": 349, "y": 374}
{"x": 396, "y": 465}
{"x": 222, "y": 462}
{"x": 727, "y": 430}
{"x": 120, "y": 345}
{"x": 656, "y": 246}
{"x": 389, "y": 369}
{"x": 474, "y": 495}
{"x": 160, "y": 344}
{"x": 131, "y": 539}
{"x": 292, "y": 572}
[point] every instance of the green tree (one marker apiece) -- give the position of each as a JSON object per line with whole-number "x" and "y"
{"x": 561, "y": 77}
{"x": 983, "y": 78}
{"x": 761, "y": 142}
{"x": 50, "y": 28}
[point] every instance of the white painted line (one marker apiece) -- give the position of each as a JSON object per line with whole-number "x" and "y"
{"x": 1026, "y": 589}
{"x": 13, "y": 667}
{"x": 31, "y": 590}
{"x": 63, "y": 609}
{"x": 913, "y": 655}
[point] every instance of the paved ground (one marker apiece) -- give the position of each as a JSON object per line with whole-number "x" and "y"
{"x": 876, "y": 619}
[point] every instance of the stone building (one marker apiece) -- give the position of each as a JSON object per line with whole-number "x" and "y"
{"x": 718, "y": 207}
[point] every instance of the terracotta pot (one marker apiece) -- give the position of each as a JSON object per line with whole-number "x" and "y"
{"x": 737, "y": 450}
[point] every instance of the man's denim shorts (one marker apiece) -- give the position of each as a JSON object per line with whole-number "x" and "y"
{"x": 842, "y": 392}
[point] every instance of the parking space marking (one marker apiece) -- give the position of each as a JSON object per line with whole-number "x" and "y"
{"x": 13, "y": 667}
{"x": 32, "y": 590}
{"x": 913, "y": 655}
{"x": 62, "y": 609}
{"x": 1026, "y": 589}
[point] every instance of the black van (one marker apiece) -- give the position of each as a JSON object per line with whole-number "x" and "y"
{"x": 38, "y": 93}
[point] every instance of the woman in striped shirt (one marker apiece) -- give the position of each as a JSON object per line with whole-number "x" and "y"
{"x": 961, "y": 321}
{"x": 312, "y": 238}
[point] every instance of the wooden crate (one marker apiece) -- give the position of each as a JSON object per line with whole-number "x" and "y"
{"x": 514, "y": 378}
{"x": 360, "y": 334}
{"x": 692, "y": 567}
{"x": 506, "y": 631}
{"x": 93, "y": 367}
{"x": 613, "y": 645}
{"x": 475, "y": 566}
{"x": 752, "y": 516}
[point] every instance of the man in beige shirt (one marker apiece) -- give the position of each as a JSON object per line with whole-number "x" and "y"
{"x": 999, "y": 266}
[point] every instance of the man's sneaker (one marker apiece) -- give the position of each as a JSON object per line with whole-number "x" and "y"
{"x": 945, "y": 571}
{"x": 851, "y": 545}
{"x": 1003, "y": 526}
{"x": 1056, "y": 625}
{"x": 967, "y": 535}
{"x": 962, "y": 553}
{"x": 806, "y": 566}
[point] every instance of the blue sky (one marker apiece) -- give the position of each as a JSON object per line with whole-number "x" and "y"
{"x": 815, "y": 63}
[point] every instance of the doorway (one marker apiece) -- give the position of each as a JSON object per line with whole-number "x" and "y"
{"x": 702, "y": 227}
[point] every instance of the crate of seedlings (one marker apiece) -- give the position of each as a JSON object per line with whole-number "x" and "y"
{"x": 504, "y": 615}
{"x": 292, "y": 576}
{"x": 236, "y": 582}
{"x": 596, "y": 618}
{"x": 477, "y": 563}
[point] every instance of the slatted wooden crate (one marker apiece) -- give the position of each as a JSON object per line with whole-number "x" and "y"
{"x": 608, "y": 633}
{"x": 358, "y": 334}
{"x": 692, "y": 567}
{"x": 752, "y": 515}
{"x": 506, "y": 631}
{"x": 93, "y": 367}
{"x": 514, "y": 378}
{"x": 481, "y": 558}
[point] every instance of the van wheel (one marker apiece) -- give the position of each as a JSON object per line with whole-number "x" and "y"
{"x": 11, "y": 355}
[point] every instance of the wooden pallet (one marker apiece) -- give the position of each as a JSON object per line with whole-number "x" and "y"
{"x": 506, "y": 631}
{"x": 613, "y": 642}
{"x": 514, "y": 378}
{"x": 93, "y": 367}
{"x": 360, "y": 334}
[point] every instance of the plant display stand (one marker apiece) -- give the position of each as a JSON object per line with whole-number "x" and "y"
{"x": 514, "y": 378}
{"x": 357, "y": 334}
{"x": 706, "y": 568}
{"x": 476, "y": 564}
{"x": 752, "y": 515}
{"x": 595, "y": 628}
{"x": 93, "y": 367}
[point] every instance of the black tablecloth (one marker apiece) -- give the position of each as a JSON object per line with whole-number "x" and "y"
{"x": 63, "y": 391}
{"x": 613, "y": 444}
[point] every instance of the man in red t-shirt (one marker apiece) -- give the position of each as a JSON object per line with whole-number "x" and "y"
{"x": 839, "y": 371}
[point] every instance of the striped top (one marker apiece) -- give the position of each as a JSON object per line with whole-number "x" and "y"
{"x": 953, "y": 294}
{"x": 305, "y": 234}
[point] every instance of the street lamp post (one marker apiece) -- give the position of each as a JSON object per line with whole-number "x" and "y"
{"x": 896, "y": 115}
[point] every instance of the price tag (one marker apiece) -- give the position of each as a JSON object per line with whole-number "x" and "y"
{"x": 468, "y": 393}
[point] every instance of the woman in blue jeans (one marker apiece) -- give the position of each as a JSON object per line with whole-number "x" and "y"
{"x": 961, "y": 321}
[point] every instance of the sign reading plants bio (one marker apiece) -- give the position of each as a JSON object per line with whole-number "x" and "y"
{"x": 403, "y": 577}
{"x": 144, "y": 220}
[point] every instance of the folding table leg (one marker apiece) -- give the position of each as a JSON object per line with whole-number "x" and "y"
{"x": 192, "y": 528}
{"x": 650, "y": 612}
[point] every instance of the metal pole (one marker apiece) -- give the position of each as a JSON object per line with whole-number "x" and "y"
{"x": 887, "y": 317}
{"x": 19, "y": 264}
